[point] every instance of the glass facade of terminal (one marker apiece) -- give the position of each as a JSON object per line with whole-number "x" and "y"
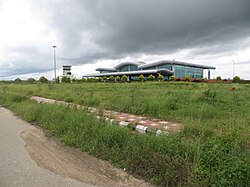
{"x": 182, "y": 71}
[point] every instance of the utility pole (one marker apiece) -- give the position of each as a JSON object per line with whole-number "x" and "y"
{"x": 233, "y": 68}
{"x": 54, "y": 61}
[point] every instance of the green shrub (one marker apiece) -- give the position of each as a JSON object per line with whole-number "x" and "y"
{"x": 117, "y": 78}
{"x": 218, "y": 78}
{"x": 202, "y": 79}
{"x": 151, "y": 77}
{"x": 43, "y": 79}
{"x": 141, "y": 78}
{"x": 105, "y": 79}
{"x": 17, "y": 80}
{"x": 99, "y": 79}
{"x": 111, "y": 79}
{"x": 160, "y": 78}
{"x": 31, "y": 80}
{"x": 236, "y": 79}
{"x": 187, "y": 77}
{"x": 172, "y": 78}
{"x": 66, "y": 79}
{"x": 124, "y": 78}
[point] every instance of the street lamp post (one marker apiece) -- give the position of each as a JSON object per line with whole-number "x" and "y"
{"x": 54, "y": 61}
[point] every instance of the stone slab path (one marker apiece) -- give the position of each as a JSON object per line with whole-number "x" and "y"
{"x": 142, "y": 124}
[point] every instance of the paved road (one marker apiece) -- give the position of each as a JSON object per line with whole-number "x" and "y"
{"x": 16, "y": 166}
{"x": 28, "y": 158}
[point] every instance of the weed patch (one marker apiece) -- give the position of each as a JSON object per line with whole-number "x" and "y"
{"x": 211, "y": 150}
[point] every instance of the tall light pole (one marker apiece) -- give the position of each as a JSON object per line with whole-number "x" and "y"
{"x": 233, "y": 68}
{"x": 54, "y": 61}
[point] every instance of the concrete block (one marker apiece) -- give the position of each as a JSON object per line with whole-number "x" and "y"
{"x": 123, "y": 123}
{"x": 159, "y": 132}
{"x": 142, "y": 129}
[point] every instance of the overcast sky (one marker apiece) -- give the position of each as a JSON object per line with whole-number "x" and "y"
{"x": 93, "y": 33}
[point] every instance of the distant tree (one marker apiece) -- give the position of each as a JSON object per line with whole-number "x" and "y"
{"x": 236, "y": 79}
{"x": 17, "y": 80}
{"x": 66, "y": 79}
{"x": 218, "y": 78}
{"x": 111, "y": 78}
{"x": 151, "y": 77}
{"x": 43, "y": 79}
{"x": 124, "y": 78}
{"x": 172, "y": 78}
{"x": 84, "y": 80}
{"x": 117, "y": 78}
{"x": 160, "y": 78}
{"x": 31, "y": 80}
{"x": 141, "y": 78}
{"x": 187, "y": 77}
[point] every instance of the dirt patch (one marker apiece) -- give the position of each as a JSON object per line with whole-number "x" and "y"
{"x": 70, "y": 162}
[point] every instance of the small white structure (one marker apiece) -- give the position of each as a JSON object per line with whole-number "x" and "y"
{"x": 66, "y": 73}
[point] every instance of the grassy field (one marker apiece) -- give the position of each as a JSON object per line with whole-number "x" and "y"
{"x": 213, "y": 149}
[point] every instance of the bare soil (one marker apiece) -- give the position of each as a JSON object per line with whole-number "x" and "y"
{"x": 51, "y": 154}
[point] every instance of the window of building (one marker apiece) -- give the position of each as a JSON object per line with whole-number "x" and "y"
{"x": 149, "y": 68}
{"x": 165, "y": 66}
{"x": 198, "y": 73}
{"x": 125, "y": 68}
{"x": 189, "y": 71}
{"x": 133, "y": 68}
{"x": 179, "y": 71}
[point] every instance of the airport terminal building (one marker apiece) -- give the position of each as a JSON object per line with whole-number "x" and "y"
{"x": 166, "y": 68}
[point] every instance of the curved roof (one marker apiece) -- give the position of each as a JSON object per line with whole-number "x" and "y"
{"x": 125, "y": 64}
{"x": 175, "y": 63}
{"x": 105, "y": 69}
{"x": 139, "y": 72}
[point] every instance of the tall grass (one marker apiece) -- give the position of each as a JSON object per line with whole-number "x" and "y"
{"x": 211, "y": 150}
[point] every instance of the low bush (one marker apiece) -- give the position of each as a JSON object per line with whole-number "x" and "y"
{"x": 218, "y": 78}
{"x": 117, "y": 78}
{"x": 99, "y": 79}
{"x": 151, "y": 77}
{"x": 105, "y": 79}
{"x": 187, "y": 77}
{"x": 111, "y": 79}
{"x": 160, "y": 78}
{"x": 124, "y": 78}
{"x": 141, "y": 78}
{"x": 172, "y": 78}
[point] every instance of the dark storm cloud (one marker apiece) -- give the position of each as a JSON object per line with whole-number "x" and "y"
{"x": 21, "y": 67}
{"x": 24, "y": 60}
{"x": 89, "y": 30}
{"x": 151, "y": 26}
